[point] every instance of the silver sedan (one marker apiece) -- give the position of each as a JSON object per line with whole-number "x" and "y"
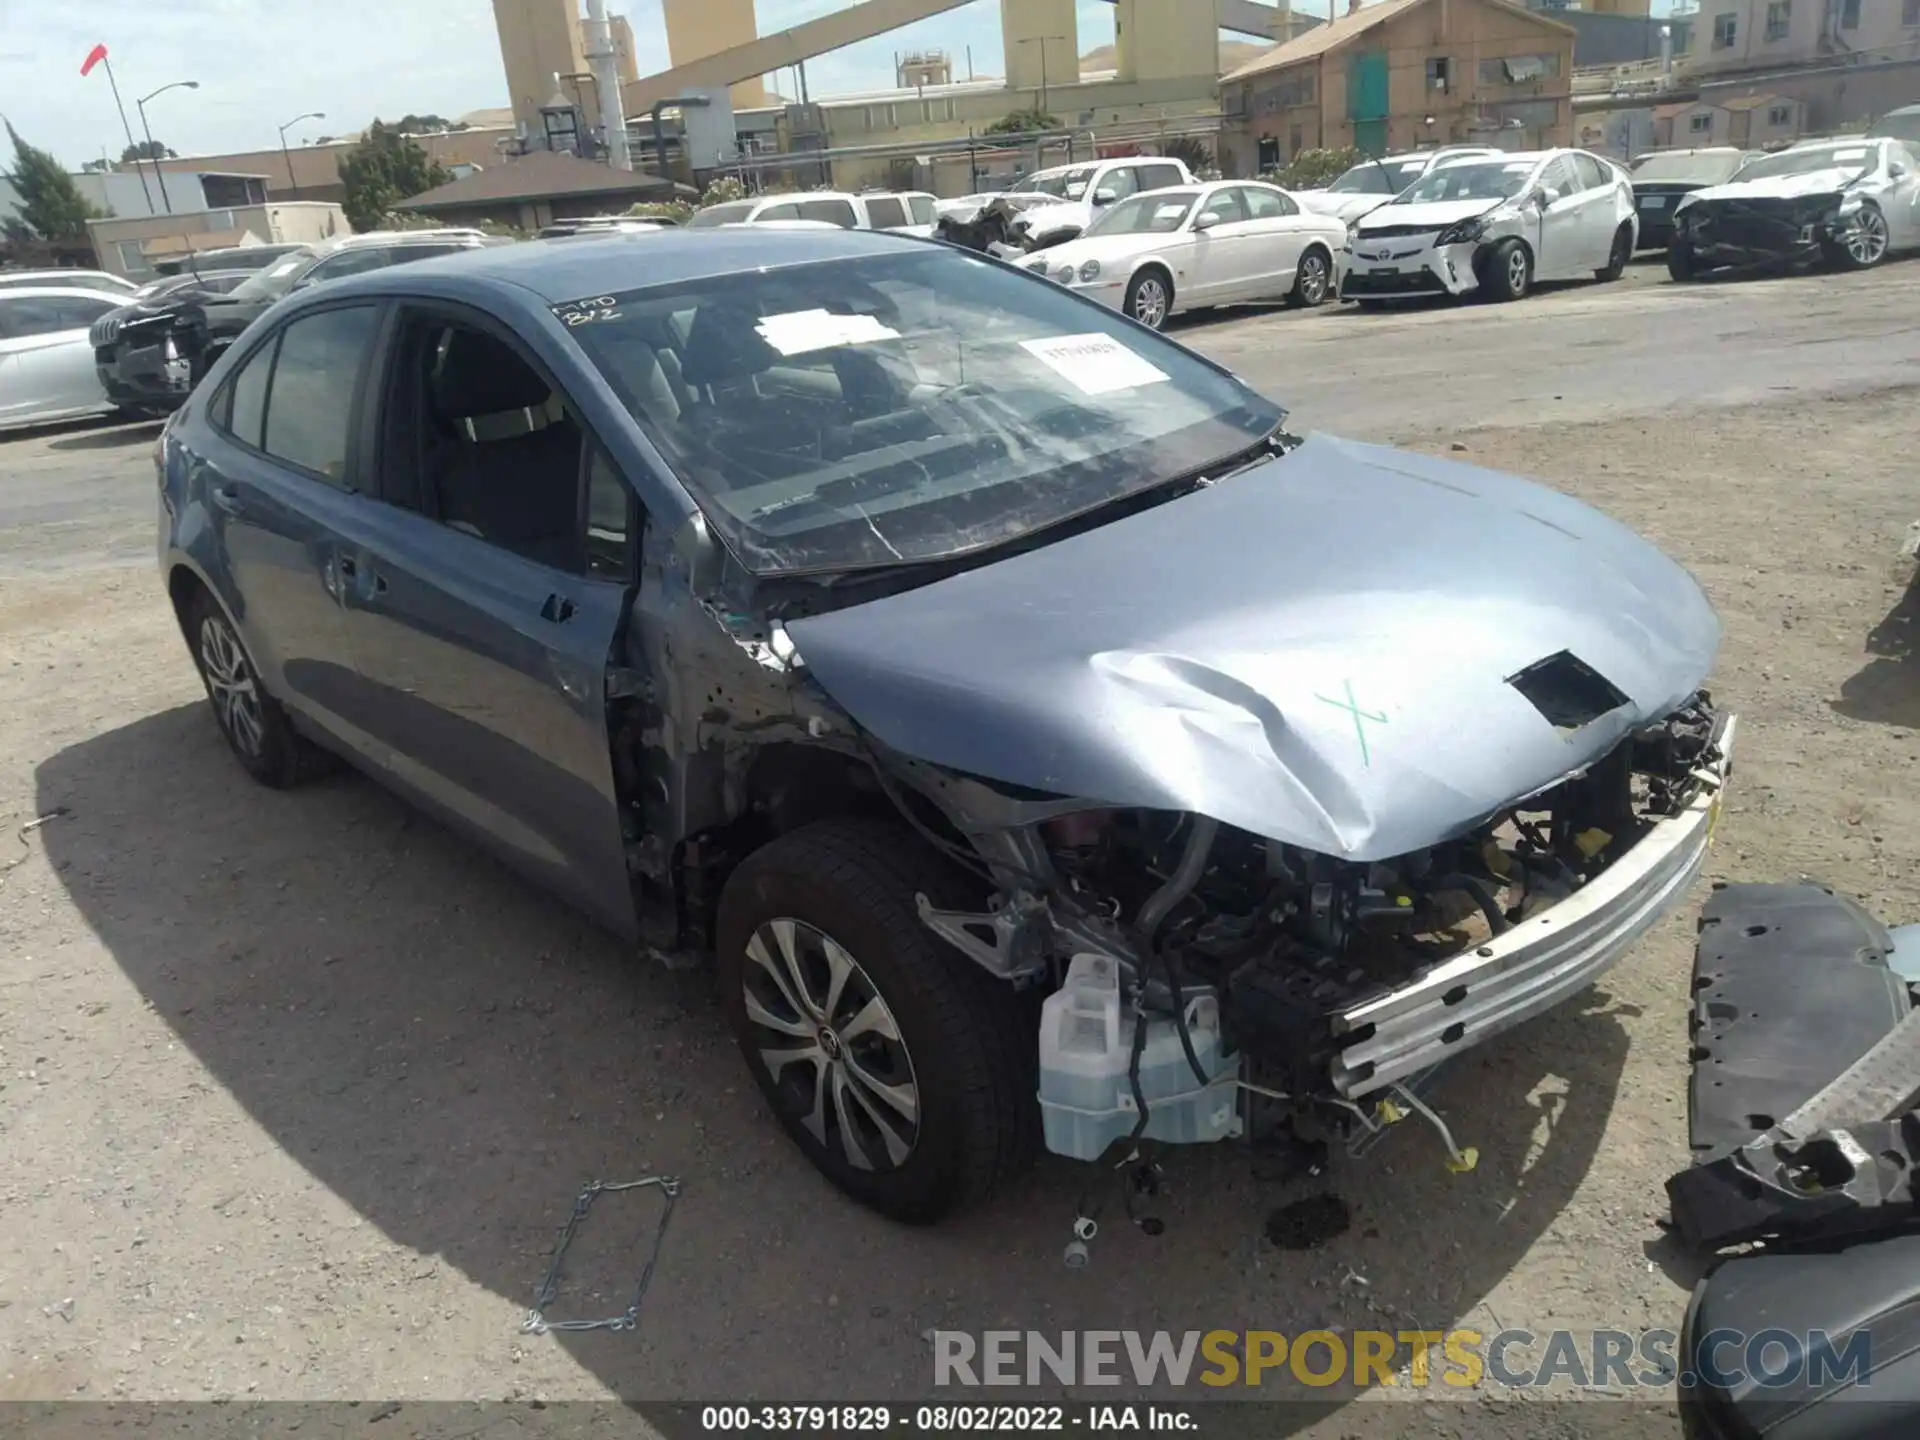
{"x": 46, "y": 363}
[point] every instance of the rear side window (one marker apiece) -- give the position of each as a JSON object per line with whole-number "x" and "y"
{"x": 310, "y": 399}
{"x": 246, "y": 403}
{"x": 23, "y": 317}
{"x": 885, "y": 211}
{"x": 922, "y": 207}
{"x": 834, "y": 212}
{"x": 784, "y": 211}
{"x": 1158, "y": 177}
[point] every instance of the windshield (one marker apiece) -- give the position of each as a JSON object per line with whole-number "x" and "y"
{"x": 1159, "y": 213}
{"x": 1855, "y": 159}
{"x": 1062, "y": 184}
{"x": 274, "y": 281}
{"x": 1703, "y": 167}
{"x": 1469, "y": 180}
{"x": 903, "y": 407}
{"x": 1389, "y": 177}
{"x": 732, "y": 213}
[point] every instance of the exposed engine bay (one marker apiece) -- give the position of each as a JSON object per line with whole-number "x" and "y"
{"x": 1272, "y": 948}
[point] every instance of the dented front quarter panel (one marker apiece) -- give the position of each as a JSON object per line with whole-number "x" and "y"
{"x": 1316, "y": 651}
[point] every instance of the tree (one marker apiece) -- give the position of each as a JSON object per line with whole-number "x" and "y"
{"x": 1312, "y": 169}
{"x": 1189, "y": 151}
{"x": 51, "y": 205}
{"x": 381, "y": 171}
{"x": 1022, "y": 122}
{"x": 146, "y": 150}
{"x": 426, "y": 124}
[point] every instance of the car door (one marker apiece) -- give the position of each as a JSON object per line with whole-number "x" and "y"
{"x": 1275, "y": 230}
{"x": 1903, "y": 207}
{"x": 1564, "y": 222}
{"x": 1222, "y": 259}
{"x": 280, "y": 472}
{"x": 46, "y": 362}
{"x": 484, "y": 594}
{"x": 1602, "y": 211}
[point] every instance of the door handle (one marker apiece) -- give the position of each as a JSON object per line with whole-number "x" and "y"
{"x": 226, "y": 498}
{"x": 558, "y": 609}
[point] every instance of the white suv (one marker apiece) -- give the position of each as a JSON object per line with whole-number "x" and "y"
{"x": 879, "y": 210}
{"x": 1062, "y": 202}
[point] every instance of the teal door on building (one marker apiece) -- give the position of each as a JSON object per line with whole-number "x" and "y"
{"x": 1367, "y": 100}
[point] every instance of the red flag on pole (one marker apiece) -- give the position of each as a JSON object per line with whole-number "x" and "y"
{"x": 94, "y": 57}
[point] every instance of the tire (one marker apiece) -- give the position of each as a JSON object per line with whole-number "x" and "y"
{"x": 1149, "y": 297}
{"x": 1311, "y": 287}
{"x": 960, "y": 1043}
{"x": 1508, "y": 272}
{"x": 1680, "y": 262}
{"x": 256, "y": 726}
{"x": 1864, "y": 246}
{"x": 1618, "y": 256}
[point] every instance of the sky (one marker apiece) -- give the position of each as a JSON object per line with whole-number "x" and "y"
{"x": 261, "y": 62}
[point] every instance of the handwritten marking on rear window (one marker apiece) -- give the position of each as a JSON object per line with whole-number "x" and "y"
{"x": 1096, "y": 364}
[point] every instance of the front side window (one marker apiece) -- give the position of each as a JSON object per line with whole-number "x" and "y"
{"x": 1069, "y": 184}
{"x": 1593, "y": 175}
{"x": 731, "y": 213}
{"x": 1160, "y": 176}
{"x": 310, "y": 398}
{"x": 1559, "y": 179}
{"x": 1116, "y": 184}
{"x": 922, "y": 205}
{"x": 834, "y": 212}
{"x": 898, "y": 408}
{"x": 1223, "y": 207}
{"x": 885, "y": 212}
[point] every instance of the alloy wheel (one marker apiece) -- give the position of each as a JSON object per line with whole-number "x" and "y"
{"x": 231, "y": 683}
{"x": 831, "y": 1044}
{"x": 1516, "y": 271}
{"x": 1150, "y": 302}
{"x": 1313, "y": 279}
{"x": 1867, "y": 237}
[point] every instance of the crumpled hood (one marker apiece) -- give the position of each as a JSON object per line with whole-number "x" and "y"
{"x": 1434, "y": 213}
{"x": 1056, "y": 215}
{"x": 1779, "y": 187}
{"x": 1316, "y": 651}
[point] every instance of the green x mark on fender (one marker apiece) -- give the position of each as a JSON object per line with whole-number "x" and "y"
{"x": 1360, "y": 719}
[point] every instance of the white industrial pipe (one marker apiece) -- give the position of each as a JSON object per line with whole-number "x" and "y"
{"x": 606, "y": 79}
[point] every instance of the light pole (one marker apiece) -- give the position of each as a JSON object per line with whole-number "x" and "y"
{"x": 292, "y": 183}
{"x": 141, "y": 106}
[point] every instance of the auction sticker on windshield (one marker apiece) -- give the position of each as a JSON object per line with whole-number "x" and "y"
{"x": 1096, "y": 364}
{"x": 800, "y": 331}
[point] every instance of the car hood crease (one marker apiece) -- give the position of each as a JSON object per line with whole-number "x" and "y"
{"x": 1316, "y": 651}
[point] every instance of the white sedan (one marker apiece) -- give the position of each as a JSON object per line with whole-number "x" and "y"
{"x": 1156, "y": 254}
{"x": 1494, "y": 227}
{"x": 46, "y": 363}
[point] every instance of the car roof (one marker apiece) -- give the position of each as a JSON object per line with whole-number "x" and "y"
{"x": 73, "y": 292}
{"x": 599, "y": 264}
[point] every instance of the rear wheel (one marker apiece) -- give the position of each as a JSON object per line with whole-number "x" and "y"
{"x": 1312, "y": 280}
{"x": 1681, "y": 264}
{"x": 1508, "y": 273}
{"x": 1150, "y": 298}
{"x": 1618, "y": 256}
{"x": 905, "y": 1073}
{"x": 1863, "y": 244}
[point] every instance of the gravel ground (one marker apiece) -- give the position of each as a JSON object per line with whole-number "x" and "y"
{"x": 295, "y": 1088}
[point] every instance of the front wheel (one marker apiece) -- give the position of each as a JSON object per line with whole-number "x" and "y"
{"x": 1312, "y": 280}
{"x": 1681, "y": 264}
{"x": 1508, "y": 273}
{"x": 905, "y": 1073}
{"x": 1150, "y": 298}
{"x": 1618, "y": 256}
{"x": 1863, "y": 244}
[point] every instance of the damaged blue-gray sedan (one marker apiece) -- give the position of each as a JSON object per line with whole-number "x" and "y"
{"x": 1043, "y": 745}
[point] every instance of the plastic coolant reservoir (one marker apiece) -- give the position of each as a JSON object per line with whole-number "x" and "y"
{"x": 1086, "y": 1044}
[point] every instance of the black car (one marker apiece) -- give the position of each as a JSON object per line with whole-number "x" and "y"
{"x": 1660, "y": 179}
{"x": 151, "y": 354}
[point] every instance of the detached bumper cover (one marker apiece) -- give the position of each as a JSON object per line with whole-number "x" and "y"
{"x": 1542, "y": 961}
{"x": 1756, "y": 232}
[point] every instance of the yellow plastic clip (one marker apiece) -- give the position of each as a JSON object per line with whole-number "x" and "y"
{"x": 1469, "y": 1157}
{"x": 1591, "y": 842}
{"x": 1386, "y": 1112}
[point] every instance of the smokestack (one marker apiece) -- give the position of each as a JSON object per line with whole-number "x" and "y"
{"x": 1666, "y": 50}
{"x": 1281, "y": 26}
{"x": 606, "y": 79}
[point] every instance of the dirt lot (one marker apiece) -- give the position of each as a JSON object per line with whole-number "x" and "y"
{"x": 295, "y": 1088}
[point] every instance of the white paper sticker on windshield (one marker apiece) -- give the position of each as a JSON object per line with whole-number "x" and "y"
{"x": 1097, "y": 364}
{"x": 800, "y": 331}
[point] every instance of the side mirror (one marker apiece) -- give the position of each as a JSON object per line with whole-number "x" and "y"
{"x": 1104, "y": 196}
{"x": 1540, "y": 199}
{"x": 1206, "y": 221}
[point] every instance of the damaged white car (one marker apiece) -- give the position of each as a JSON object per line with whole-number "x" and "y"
{"x": 1494, "y": 227}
